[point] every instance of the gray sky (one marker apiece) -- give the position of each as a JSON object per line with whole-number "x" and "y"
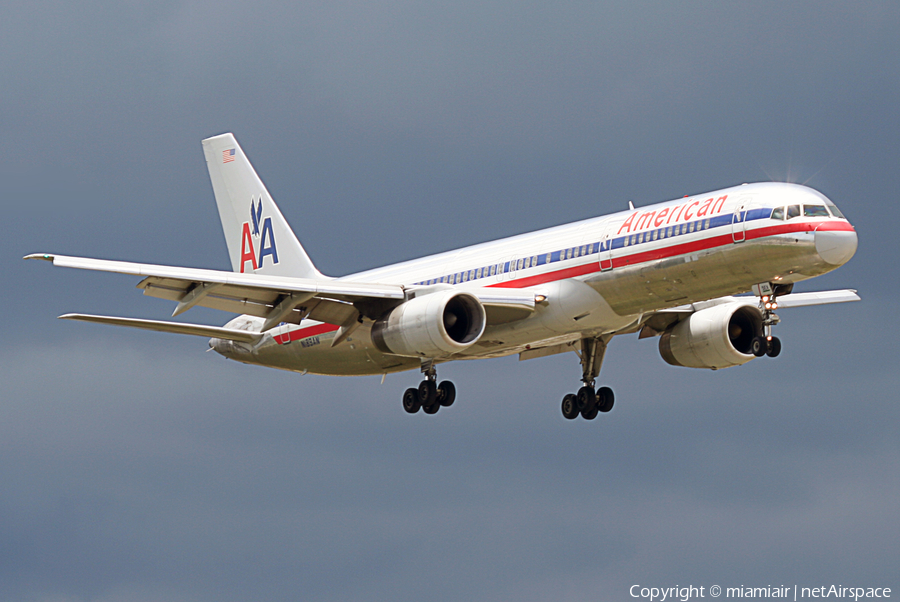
{"x": 135, "y": 466}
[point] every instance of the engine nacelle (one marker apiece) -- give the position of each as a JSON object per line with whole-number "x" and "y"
{"x": 715, "y": 337}
{"x": 433, "y": 325}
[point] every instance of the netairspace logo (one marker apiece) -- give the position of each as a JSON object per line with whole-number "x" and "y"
{"x": 689, "y": 592}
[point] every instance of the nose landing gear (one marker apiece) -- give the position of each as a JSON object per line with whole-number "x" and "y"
{"x": 588, "y": 402}
{"x": 766, "y": 344}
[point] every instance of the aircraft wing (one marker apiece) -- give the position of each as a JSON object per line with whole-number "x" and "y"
{"x": 278, "y": 298}
{"x": 231, "y": 334}
{"x": 657, "y": 322}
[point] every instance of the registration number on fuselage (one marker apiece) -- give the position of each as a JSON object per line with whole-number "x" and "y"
{"x": 310, "y": 342}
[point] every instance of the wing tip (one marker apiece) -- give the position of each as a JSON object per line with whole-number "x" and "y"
{"x": 42, "y": 256}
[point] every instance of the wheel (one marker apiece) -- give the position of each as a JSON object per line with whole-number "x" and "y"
{"x": 589, "y": 412}
{"x": 432, "y": 409}
{"x": 446, "y": 393}
{"x": 570, "y": 407}
{"x": 758, "y": 346}
{"x": 587, "y": 399}
{"x": 411, "y": 401}
{"x": 774, "y": 347}
{"x": 605, "y": 399}
{"x": 427, "y": 393}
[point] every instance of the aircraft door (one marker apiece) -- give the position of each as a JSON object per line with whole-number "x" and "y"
{"x": 738, "y": 222}
{"x": 605, "y": 252}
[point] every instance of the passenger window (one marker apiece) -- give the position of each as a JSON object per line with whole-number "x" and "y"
{"x": 691, "y": 227}
{"x": 793, "y": 211}
{"x": 815, "y": 211}
{"x": 549, "y": 258}
{"x": 706, "y": 225}
{"x": 778, "y": 213}
{"x": 520, "y": 264}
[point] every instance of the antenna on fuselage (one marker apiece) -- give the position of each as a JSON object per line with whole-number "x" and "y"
{"x": 631, "y": 205}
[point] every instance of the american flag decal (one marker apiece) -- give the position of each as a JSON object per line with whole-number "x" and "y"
{"x": 228, "y": 155}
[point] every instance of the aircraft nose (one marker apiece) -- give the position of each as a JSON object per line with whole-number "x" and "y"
{"x": 835, "y": 246}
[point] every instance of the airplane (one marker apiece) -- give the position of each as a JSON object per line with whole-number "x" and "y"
{"x": 704, "y": 273}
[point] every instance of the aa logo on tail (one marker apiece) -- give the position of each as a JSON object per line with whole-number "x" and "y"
{"x": 261, "y": 232}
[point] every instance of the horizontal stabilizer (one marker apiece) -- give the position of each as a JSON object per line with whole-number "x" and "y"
{"x": 200, "y": 330}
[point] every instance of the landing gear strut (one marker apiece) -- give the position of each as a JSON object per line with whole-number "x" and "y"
{"x": 429, "y": 396}
{"x": 588, "y": 402}
{"x": 766, "y": 344}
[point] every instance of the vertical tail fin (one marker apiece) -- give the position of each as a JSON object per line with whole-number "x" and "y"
{"x": 259, "y": 239}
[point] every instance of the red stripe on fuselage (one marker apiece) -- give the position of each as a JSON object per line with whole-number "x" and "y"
{"x": 302, "y": 333}
{"x": 703, "y": 244}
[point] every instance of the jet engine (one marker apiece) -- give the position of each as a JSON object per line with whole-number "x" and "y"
{"x": 715, "y": 337}
{"x": 433, "y": 325}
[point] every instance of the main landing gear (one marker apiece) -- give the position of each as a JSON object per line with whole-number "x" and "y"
{"x": 587, "y": 401}
{"x": 766, "y": 344}
{"x": 429, "y": 396}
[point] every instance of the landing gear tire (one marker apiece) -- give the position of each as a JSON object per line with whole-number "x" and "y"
{"x": 605, "y": 399}
{"x": 432, "y": 409}
{"x": 427, "y": 393}
{"x": 758, "y": 346}
{"x": 446, "y": 393}
{"x": 411, "y": 401}
{"x": 586, "y": 398}
{"x": 570, "y": 407}
{"x": 774, "y": 347}
{"x": 590, "y": 412}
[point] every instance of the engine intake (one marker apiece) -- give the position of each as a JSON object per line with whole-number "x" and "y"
{"x": 434, "y": 325}
{"x": 715, "y": 337}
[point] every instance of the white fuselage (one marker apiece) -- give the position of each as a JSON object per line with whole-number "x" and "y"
{"x": 595, "y": 277}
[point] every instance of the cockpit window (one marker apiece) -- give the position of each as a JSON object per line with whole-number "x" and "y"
{"x": 815, "y": 211}
{"x": 793, "y": 211}
{"x": 835, "y": 211}
{"x": 778, "y": 213}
